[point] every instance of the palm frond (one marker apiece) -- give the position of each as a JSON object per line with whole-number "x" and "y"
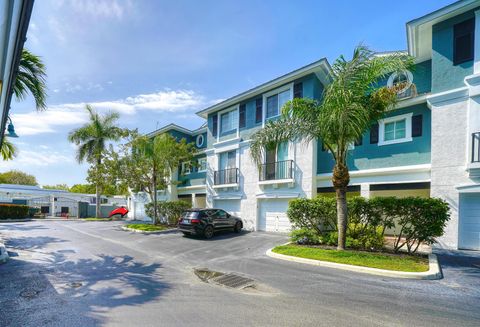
{"x": 31, "y": 79}
{"x": 8, "y": 150}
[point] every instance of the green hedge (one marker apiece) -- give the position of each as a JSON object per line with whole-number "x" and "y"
{"x": 13, "y": 211}
{"x": 417, "y": 220}
{"x": 168, "y": 211}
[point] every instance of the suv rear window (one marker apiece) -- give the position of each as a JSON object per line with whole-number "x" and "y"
{"x": 191, "y": 214}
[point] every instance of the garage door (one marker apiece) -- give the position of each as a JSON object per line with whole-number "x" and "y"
{"x": 230, "y": 206}
{"x": 273, "y": 216}
{"x": 469, "y": 222}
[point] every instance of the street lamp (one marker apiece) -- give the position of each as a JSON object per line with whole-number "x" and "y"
{"x": 11, "y": 129}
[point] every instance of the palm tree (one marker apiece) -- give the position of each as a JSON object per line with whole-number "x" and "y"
{"x": 31, "y": 79}
{"x": 91, "y": 140}
{"x": 8, "y": 150}
{"x": 349, "y": 106}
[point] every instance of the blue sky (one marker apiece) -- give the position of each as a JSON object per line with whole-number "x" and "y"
{"x": 158, "y": 62}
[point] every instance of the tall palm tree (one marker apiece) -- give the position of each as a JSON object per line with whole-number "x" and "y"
{"x": 8, "y": 150}
{"x": 31, "y": 79}
{"x": 91, "y": 140}
{"x": 349, "y": 106}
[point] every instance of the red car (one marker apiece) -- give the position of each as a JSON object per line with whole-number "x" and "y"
{"x": 122, "y": 211}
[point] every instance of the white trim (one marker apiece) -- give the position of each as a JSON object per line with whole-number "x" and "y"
{"x": 226, "y": 185}
{"x": 277, "y": 181}
{"x": 197, "y": 143}
{"x": 407, "y": 74}
{"x": 407, "y": 102}
{"x": 227, "y": 148}
{"x": 469, "y": 188}
{"x": 225, "y": 143}
{"x": 278, "y": 195}
{"x": 271, "y": 93}
{"x": 441, "y": 98}
{"x": 383, "y": 171}
{"x": 408, "y": 129}
{"x": 185, "y": 165}
{"x": 191, "y": 187}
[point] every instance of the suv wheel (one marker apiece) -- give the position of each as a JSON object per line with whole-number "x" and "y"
{"x": 238, "y": 227}
{"x": 208, "y": 231}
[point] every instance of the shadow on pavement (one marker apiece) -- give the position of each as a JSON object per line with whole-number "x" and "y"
{"x": 56, "y": 290}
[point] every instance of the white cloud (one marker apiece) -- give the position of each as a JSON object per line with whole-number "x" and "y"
{"x": 64, "y": 116}
{"x": 29, "y": 158}
{"x": 99, "y": 8}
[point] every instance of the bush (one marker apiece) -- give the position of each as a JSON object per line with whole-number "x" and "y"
{"x": 418, "y": 220}
{"x": 13, "y": 211}
{"x": 168, "y": 211}
{"x": 318, "y": 214}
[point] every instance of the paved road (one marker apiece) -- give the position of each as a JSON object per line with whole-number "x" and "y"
{"x": 93, "y": 273}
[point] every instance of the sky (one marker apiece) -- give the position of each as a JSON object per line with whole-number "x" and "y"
{"x": 159, "y": 62}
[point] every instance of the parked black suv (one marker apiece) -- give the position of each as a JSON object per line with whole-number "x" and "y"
{"x": 206, "y": 221}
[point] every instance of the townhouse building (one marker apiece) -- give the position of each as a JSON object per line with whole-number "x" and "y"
{"x": 428, "y": 145}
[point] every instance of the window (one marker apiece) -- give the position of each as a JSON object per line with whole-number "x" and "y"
{"x": 202, "y": 164}
{"x": 242, "y": 116}
{"x": 228, "y": 160}
{"x": 275, "y": 103}
{"x": 228, "y": 121}
{"x": 214, "y": 125}
{"x": 186, "y": 168}
{"x": 258, "y": 110}
{"x": 298, "y": 90}
{"x": 199, "y": 141}
{"x": 463, "y": 41}
{"x": 395, "y": 129}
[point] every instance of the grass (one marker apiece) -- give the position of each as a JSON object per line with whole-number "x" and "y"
{"x": 396, "y": 262}
{"x": 147, "y": 227}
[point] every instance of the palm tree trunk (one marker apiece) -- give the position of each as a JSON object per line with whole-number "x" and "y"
{"x": 340, "y": 180}
{"x": 155, "y": 213}
{"x": 98, "y": 212}
{"x": 342, "y": 217}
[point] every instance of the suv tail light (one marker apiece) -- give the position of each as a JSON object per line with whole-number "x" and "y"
{"x": 194, "y": 221}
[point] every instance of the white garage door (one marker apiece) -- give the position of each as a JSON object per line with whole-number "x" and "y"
{"x": 230, "y": 206}
{"x": 273, "y": 216}
{"x": 469, "y": 222}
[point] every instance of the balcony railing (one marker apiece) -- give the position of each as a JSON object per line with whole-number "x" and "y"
{"x": 276, "y": 170}
{"x": 476, "y": 147}
{"x": 225, "y": 176}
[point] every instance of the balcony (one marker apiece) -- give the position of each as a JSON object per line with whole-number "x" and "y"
{"x": 226, "y": 177}
{"x": 276, "y": 172}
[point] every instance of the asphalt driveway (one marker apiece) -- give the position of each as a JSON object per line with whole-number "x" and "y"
{"x": 93, "y": 273}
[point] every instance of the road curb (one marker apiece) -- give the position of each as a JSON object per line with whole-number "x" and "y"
{"x": 15, "y": 220}
{"x": 168, "y": 231}
{"x": 433, "y": 272}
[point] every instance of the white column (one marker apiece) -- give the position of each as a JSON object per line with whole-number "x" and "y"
{"x": 194, "y": 201}
{"x": 52, "y": 200}
{"x": 476, "y": 42}
{"x": 365, "y": 191}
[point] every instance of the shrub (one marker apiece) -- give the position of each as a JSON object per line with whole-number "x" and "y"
{"x": 168, "y": 211}
{"x": 305, "y": 236}
{"x": 418, "y": 220}
{"x": 318, "y": 214}
{"x": 13, "y": 211}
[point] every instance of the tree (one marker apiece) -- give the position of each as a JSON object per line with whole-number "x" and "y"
{"x": 153, "y": 161}
{"x": 83, "y": 188}
{"x": 31, "y": 79}
{"x": 57, "y": 187}
{"x": 8, "y": 150}
{"x": 350, "y": 104}
{"x": 17, "y": 177}
{"x": 92, "y": 139}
